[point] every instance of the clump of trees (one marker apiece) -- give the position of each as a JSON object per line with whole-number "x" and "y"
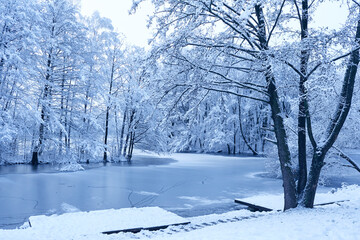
{"x": 220, "y": 76}
{"x": 251, "y": 50}
{"x": 71, "y": 89}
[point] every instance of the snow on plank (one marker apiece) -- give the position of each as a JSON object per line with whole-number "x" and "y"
{"x": 108, "y": 221}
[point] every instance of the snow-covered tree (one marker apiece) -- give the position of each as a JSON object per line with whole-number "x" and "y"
{"x": 56, "y": 60}
{"x": 241, "y": 48}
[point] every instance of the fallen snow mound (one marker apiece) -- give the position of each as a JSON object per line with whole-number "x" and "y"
{"x": 71, "y": 167}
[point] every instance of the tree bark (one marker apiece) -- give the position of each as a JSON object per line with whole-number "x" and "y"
{"x": 290, "y": 200}
{"x": 242, "y": 131}
{"x": 128, "y": 136}
{"x": 108, "y": 109}
{"x": 235, "y": 131}
{"x": 304, "y": 58}
{"x": 126, "y": 143}
{"x": 122, "y": 133}
{"x": 44, "y": 112}
{"x": 106, "y": 133}
{"x": 335, "y": 124}
{"x": 310, "y": 190}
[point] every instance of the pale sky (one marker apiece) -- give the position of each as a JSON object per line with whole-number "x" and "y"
{"x": 329, "y": 15}
{"x": 132, "y": 26}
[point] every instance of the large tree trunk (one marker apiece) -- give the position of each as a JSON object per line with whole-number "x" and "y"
{"x": 106, "y": 133}
{"x": 290, "y": 200}
{"x": 35, "y": 158}
{"x": 315, "y": 169}
{"x": 108, "y": 109}
{"x": 282, "y": 146}
{"x": 122, "y": 132}
{"x": 302, "y": 173}
{"x": 335, "y": 125}
{"x": 235, "y": 131}
{"x": 129, "y": 133}
{"x": 62, "y": 98}
{"x": 68, "y": 118}
{"x": 131, "y": 146}
{"x": 126, "y": 143}
{"x": 45, "y": 105}
{"x": 68, "y": 147}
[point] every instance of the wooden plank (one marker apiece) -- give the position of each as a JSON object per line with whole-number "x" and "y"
{"x": 257, "y": 208}
{"x": 328, "y": 203}
{"x": 253, "y": 207}
{"x": 136, "y": 230}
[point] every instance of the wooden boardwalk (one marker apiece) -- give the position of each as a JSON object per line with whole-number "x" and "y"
{"x": 253, "y": 207}
{"x": 258, "y": 208}
{"x": 136, "y": 230}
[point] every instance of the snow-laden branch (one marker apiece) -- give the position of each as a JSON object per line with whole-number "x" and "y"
{"x": 235, "y": 94}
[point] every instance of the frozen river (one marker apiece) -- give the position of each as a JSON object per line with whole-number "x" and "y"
{"x": 192, "y": 184}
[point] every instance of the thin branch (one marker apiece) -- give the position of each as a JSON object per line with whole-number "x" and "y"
{"x": 276, "y": 22}
{"x": 177, "y": 101}
{"x": 169, "y": 90}
{"x": 200, "y": 101}
{"x": 248, "y": 51}
{"x": 290, "y": 65}
{"x": 347, "y": 158}
{"x": 356, "y": 3}
{"x": 295, "y": 69}
{"x": 228, "y": 23}
{"x": 331, "y": 61}
{"x": 241, "y": 69}
{"x": 236, "y": 94}
{"x": 310, "y": 5}
{"x": 309, "y": 125}
{"x": 270, "y": 140}
{"x": 241, "y": 85}
{"x": 298, "y": 13}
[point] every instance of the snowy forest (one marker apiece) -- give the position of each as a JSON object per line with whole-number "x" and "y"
{"x": 71, "y": 89}
{"x": 220, "y": 76}
{"x": 233, "y": 105}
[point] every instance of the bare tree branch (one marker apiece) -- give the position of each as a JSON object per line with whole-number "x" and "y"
{"x": 276, "y": 22}
{"x": 236, "y": 94}
{"x": 331, "y": 61}
{"x": 347, "y": 158}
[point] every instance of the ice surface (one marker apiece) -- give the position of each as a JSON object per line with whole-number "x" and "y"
{"x": 196, "y": 184}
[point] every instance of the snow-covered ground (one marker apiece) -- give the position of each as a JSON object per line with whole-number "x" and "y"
{"x": 336, "y": 221}
{"x": 193, "y": 185}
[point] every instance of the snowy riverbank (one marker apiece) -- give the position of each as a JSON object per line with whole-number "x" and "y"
{"x": 336, "y": 221}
